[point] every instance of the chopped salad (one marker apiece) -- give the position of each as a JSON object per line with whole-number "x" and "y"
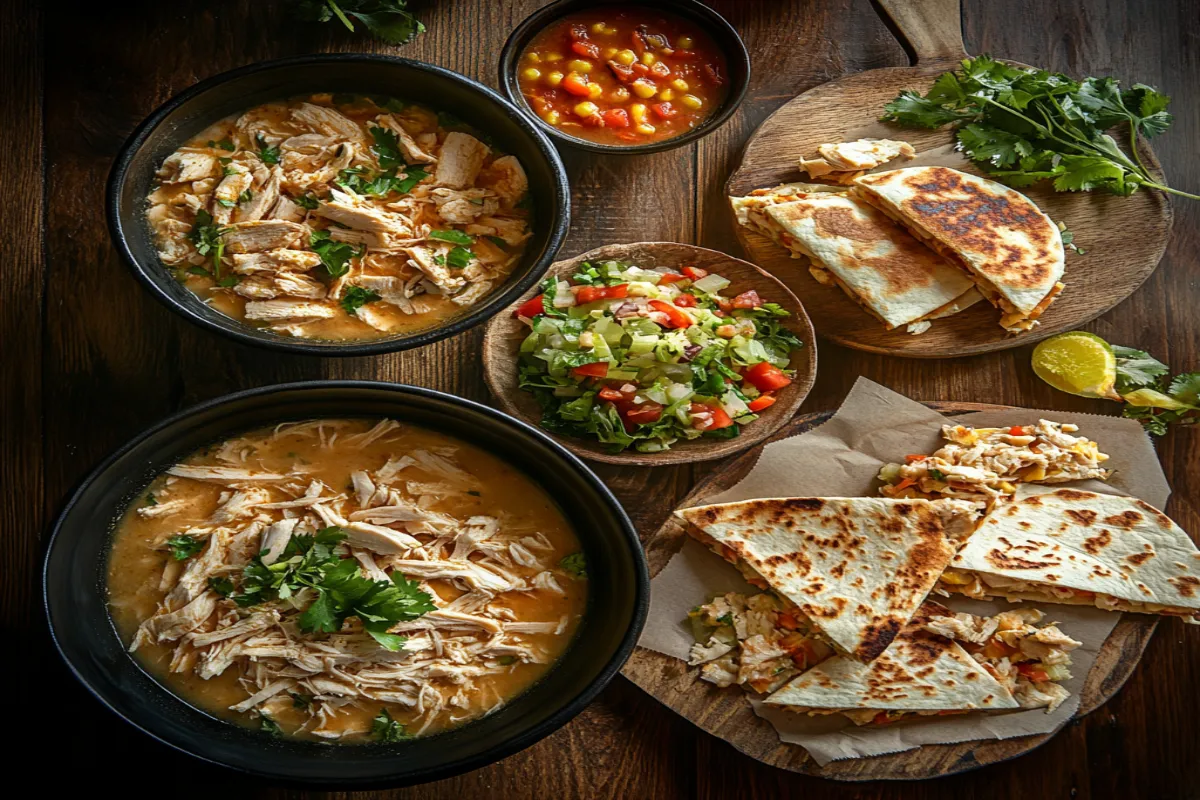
{"x": 642, "y": 358}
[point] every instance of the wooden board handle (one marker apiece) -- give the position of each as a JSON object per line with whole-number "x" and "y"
{"x": 932, "y": 29}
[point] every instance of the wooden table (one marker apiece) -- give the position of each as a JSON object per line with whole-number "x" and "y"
{"x": 90, "y": 359}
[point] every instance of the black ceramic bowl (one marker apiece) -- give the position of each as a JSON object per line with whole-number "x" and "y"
{"x": 187, "y": 113}
{"x": 722, "y": 33}
{"x": 74, "y": 587}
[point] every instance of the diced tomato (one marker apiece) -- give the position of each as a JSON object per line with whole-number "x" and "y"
{"x": 616, "y": 118}
{"x": 915, "y": 457}
{"x": 639, "y": 44}
{"x": 671, "y": 277}
{"x": 1017, "y": 430}
{"x": 686, "y": 301}
{"x": 597, "y": 369}
{"x": 645, "y": 413}
{"x": 586, "y": 49}
{"x": 576, "y": 84}
{"x": 578, "y": 32}
{"x": 621, "y": 72}
{"x": 748, "y": 299}
{"x": 1033, "y": 671}
{"x": 675, "y": 317}
{"x": 761, "y": 402}
{"x": 709, "y": 418}
{"x": 664, "y": 110}
{"x": 611, "y": 395}
{"x": 660, "y": 70}
{"x": 590, "y": 294}
{"x": 640, "y": 69}
{"x": 531, "y": 308}
{"x": 766, "y": 377}
{"x": 719, "y": 313}
{"x": 695, "y": 273}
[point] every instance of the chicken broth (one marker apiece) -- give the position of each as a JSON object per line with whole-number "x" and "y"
{"x": 340, "y": 217}
{"x": 346, "y": 580}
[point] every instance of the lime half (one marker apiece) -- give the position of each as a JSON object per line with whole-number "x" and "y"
{"x": 1078, "y": 363}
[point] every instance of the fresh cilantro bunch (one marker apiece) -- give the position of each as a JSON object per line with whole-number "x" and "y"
{"x": 388, "y": 20}
{"x": 1025, "y": 125}
{"x": 1151, "y": 396}
{"x": 209, "y": 239}
{"x": 386, "y": 729}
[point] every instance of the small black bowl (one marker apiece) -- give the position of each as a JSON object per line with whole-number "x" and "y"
{"x": 191, "y": 111}
{"x": 726, "y": 38}
{"x": 75, "y": 597}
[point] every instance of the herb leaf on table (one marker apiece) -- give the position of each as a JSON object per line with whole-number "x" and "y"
{"x": 388, "y": 20}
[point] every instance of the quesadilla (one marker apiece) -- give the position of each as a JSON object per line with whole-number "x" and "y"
{"x": 997, "y": 663}
{"x": 848, "y": 160}
{"x": 988, "y": 463}
{"x": 996, "y": 234}
{"x": 854, "y": 568}
{"x": 875, "y": 262}
{"x": 1080, "y": 548}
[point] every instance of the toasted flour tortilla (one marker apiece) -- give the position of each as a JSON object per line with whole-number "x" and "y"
{"x": 857, "y": 567}
{"x": 1049, "y": 546}
{"x": 998, "y": 235}
{"x": 921, "y": 671}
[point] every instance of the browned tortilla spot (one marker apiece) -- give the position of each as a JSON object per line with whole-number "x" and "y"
{"x": 1098, "y": 542}
{"x": 1072, "y": 494}
{"x": 1084, "y": 517}
{"x": 876, "y": 638}
{"x": 1137, "y": 559}
{"x": 1126, "y": 519}
{"x": 1003, "y": 561}
{"x": 1162, "y": 519}
{"x": 1186, "y": 585}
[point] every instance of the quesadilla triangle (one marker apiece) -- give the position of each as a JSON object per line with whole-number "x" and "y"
{"x": 855, "y": 568}
{"x": 998, "y": 235}
{"x": 875, "y": 262}
{"x": 1080, "y": 548}
{"x": 1001, "y": 662}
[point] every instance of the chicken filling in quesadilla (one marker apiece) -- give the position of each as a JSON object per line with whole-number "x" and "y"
{"x": 987, "y": 463}
{"x": 982, "y": 586}
{"x": 846, "y": 161}
{"x": 760, "y": 641}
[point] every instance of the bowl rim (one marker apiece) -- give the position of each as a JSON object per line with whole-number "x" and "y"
{"x": 240, "y": 332}
{"x": 558, "y": 719}
{"x": 723, "y": 30}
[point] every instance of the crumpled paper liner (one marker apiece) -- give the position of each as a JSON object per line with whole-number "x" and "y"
{"x": 875, "y": 426}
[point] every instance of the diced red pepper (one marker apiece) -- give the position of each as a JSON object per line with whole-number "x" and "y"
{"x": 590, "y": 294}
{"x": 748, "y": 299}
{"x": 904, "y": 484}
{"x": 686, "y": 301}
{"x": 531, "y": 308}
{"x": 616, "y": 118}
{"x": 709, "y": 418}
{"x": 761, "y": 402}
{"x": 640, "y": 69}
{"x": 1033, "y": 671}
{"x": 675, "y": 317}
{"x": 671, "y": 277}
{"x": 766, "y": 377}
{"x": 645, "y": 413}
{"x": 660, "y": 70}
{"x": 915, "y": 457}
{"x": 597, "y": 369}
{"x": 881, "y": 718}
{"x": 586, "y": 49}
{"x": 1017, "y": 430}
{"x": 664, "y": 110}
{"x": 576, "y": 84}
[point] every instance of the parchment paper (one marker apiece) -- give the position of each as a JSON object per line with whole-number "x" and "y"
{"x": 875, "y": 426}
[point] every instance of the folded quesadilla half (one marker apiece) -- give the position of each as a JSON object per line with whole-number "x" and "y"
{"x": 996, "y": 234}
{"x": 942, "y": 663}
{"x": 988, "y": 463}
{"x": 854, "y": 569}
{"x": 1080, "y": 548}
{"x": 852, "y": 245}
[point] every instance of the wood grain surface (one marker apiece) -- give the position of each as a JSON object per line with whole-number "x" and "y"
{"x": 504, "y": 334}
{"x": 727, "y": 712}
{"x": 91, "y": 359}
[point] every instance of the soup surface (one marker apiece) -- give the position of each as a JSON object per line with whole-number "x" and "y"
{"x": 346, "y": 580}
{"x": 623, "y": 75}
{"x": 340, "y": 217}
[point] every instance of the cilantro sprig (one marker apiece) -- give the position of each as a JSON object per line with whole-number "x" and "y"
{"x": 356, "y": 297}
{"x": 386, "y": 729}
{"x": 209, "y": 239}
{"x": 1025, "y": 125}
{"x": 183, "y": 547}
{"x": 385, "y": 19}
{"x": 335, "y": 256}
{"x": 1151, "y": 396}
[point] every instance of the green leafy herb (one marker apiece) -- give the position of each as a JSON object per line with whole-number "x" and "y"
{"x": 1025, "y": 125}
{"x": 151, "y": 500}
{"x": 334, "y": 255}
{"x": 208, "y": 238}
{"x": 440, "y": 260}
{"x": 306, "y": 201}
{"x": 356, "y": 297}
{"x": 937, "y": 475}
{"x": 222, "y": 144}
{"x": 496, "y": 240}
{"x": 359, "y": 181}
{"x": 386, "y": 729}
{"x": 385, "y": 19}
{"x": 301, "y": 700}
{"x": 1137, "y": 369}
{"x": 229, "y": 280}
{"x": 271, "y": 727}
{"x": 459, "y": 257}
{"x": 221, "y": 201}
{"x": 222, "y": 586}
{"x": 575, "y": 564}
{"x": 268, "y": 154}
{"x": 183, "y": 547}
{"x": 452, "y": 236}
{"x": 386, "y": 148}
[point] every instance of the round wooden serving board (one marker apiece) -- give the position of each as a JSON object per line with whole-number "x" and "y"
{"x": 1124, "y": 237}
{"x": 726, "y": 713}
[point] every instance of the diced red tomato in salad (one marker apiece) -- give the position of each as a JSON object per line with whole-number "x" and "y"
{"x": 709, "y": 418}
{"x": 686, "y": 301}
{"x": 671, "y": 277}
{"x": 748, "y": 299}
{"x": 766, "y": 377}
{"x": 675, "y": 317}
{"x": 531, "y": 308}
{"x": 590, "y": 294}
{"x": 597, "y": 369}
{"x": 761, "y": 402}
{"x": 693, "y": 273}
{"x": 644, "y": 413}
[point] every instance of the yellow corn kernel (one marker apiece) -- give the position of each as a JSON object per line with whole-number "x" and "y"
{"x": 684, "y": 43}
{"x": 648, "y": 58}
{"x": 552, "y": 118}
{"x": 554, "y": 78}
{"x": 619, "y": 95}
{"x": 644, "y": 89}
{"x": 638, "y": 112}
{"x": 625, "y": 57}
{"x": 609, "y": 52}
{"x": 586, "y": 109}
{"x": 691, "y": 101}
{"x": 531, "y": 74}
{"x": 534, "y": 58}
{"x": 579, "y": 65}
{"x": 554, "y": 57}
{"x": 680, "y": 84}
{"x": 598, "y": 27}
{"x": 645, "y": 129}
{"x": 666, "y": 94}
{"x": 594, "y": 91}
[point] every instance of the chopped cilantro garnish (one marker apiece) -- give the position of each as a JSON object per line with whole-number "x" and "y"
{"x": 183, "y": 546}
{"x": 334, "y": 255}
{"x": 386, "y": 729}
{"x": 268, "y": 154}
{"x": 459, "y": 257}
{"x": 452, "y": 236}
{"x": 575, "y": 564}
{"x": 356, "y": 297}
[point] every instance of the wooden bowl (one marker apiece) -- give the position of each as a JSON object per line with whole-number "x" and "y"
{"x": 505, "y": 333}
